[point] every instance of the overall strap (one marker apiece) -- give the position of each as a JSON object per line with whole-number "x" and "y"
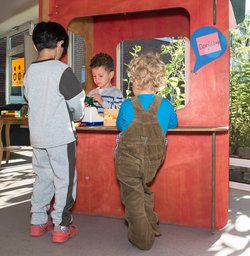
{"x": 137, "y": 105}
{"x": 153, "y": 108}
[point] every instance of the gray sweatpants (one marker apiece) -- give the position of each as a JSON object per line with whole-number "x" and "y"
{"x": 55, "y": 177}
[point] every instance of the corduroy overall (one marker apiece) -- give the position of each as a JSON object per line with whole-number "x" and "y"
{"x": 139, "y": 153}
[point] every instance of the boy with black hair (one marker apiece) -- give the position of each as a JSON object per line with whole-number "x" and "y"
{"x": 55, "y": 99}
{"x": 105, "y": 96}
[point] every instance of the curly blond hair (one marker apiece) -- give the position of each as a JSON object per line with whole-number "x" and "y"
{"x": 147, "y": 71}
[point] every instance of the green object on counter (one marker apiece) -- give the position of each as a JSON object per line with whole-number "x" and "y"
{"x": 89, "y": 100}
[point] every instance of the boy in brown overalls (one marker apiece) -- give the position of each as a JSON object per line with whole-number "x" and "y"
{"x": 143, "y": 121}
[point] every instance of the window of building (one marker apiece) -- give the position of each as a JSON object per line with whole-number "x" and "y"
{"x": 13, "y": 63}
{"x": 173, "y": 52}
{"x": 2, "y": 69}
{"x": 17, "y": 39}
{"x": 75, "y": 57}
{"x": 15, "y": 74}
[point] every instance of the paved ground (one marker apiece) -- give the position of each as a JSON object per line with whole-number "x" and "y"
{"x": 101, "y": 236}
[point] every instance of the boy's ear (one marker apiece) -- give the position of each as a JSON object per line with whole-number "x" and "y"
{"x": 59, "y": 43}
{"x": 111, "y": 74}
{"x": 35, "y": 47}
{"x": 135, "y": 83}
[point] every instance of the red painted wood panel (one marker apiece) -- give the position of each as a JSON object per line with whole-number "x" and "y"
{"x": 183, "y": 185}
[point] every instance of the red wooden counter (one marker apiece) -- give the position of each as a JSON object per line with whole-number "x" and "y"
{"x": 186, "y": 188}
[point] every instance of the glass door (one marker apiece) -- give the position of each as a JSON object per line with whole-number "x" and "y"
{"x": 16, "y": 74}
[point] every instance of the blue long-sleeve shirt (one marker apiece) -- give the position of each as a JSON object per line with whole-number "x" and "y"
{"x": 166, "y": 115}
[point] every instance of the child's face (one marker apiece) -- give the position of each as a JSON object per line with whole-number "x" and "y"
{"x": 102, "y": 78}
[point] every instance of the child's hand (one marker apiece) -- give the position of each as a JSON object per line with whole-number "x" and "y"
{"x": 98, "y": 98}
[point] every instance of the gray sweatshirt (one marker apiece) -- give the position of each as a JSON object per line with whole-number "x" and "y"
{"x": 55, "y": 99}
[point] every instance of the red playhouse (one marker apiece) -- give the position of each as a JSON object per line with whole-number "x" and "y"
{"x": 191, "y": 188}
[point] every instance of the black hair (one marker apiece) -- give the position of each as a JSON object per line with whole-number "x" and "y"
{"x": 48, "y": 34}
{"x": 102, "y": 59}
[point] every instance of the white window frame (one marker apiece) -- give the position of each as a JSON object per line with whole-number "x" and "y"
{"x": 27, "y": 27}
{"x": 71, "y": 54}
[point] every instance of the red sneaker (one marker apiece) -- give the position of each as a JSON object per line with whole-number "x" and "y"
{"x": 63, "y": 236}
{"x": 38, "y": 230}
